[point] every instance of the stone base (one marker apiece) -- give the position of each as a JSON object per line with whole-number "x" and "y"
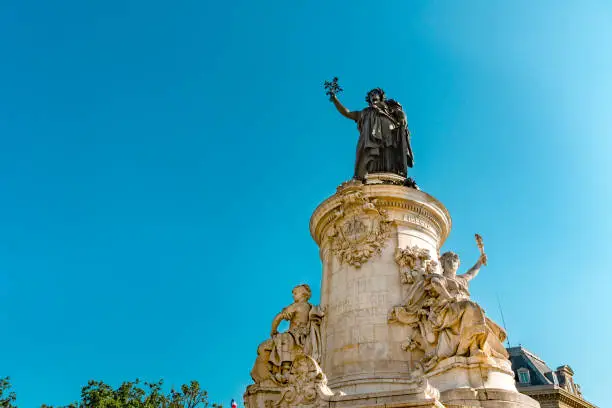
{"x": 257, "y": 396}
{"x": 425, "y": 397}
{"x": 474, "y": 373}
{"x": 385, "y": 178}
{"x": 486, "y": 398}
{"x": 367, "y": 383}
{"x": 414, "y": 395}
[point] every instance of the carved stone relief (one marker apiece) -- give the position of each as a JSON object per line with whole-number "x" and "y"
{"x": 360, "y": 229}
{"x": 445, "y": 322}
{"x": 286, "y": 371}
{"x": 306, "y": 384}
{"x": 276, "y": 356}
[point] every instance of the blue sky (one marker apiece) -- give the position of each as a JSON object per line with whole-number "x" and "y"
{"x": 160, "y": 163}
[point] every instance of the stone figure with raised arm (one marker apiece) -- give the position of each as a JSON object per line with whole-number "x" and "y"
{"x": 276, "y": 355}
{"x": 458, "y": 324}
{"x": 445, "y": 321}
{"x": 384, "y": 138}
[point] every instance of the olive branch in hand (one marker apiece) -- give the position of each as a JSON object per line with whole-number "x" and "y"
{"x": 332, "y": 88}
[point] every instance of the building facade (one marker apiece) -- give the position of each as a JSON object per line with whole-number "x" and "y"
{"x": 551, "y": 388}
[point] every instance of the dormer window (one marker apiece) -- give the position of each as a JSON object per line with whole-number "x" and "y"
{"x": 523, "y": 376}
{"x": 555, "y": 379}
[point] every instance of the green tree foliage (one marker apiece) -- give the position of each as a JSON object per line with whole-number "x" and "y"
{"x": 7, "y": 395}
{"x": 130, "y": 394}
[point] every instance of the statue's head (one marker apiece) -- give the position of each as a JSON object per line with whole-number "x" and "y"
{"x": 450, "y": 264}
{"x": 375, "y": 95}
{"x": 301, "y": 293}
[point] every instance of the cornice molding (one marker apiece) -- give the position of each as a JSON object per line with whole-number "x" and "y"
{"x": 427, "y": 212}
{"x": 556, "y": 394}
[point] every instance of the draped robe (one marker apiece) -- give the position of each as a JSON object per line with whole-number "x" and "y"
{"x": 384, "y": 142}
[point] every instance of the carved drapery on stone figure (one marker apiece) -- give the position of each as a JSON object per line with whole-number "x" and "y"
{"x": 360, "y": 230}
{"x": 287, "y": 365}
{"x": 384, "y": 138}
{"x": 445, "y": 322}
{"x": 276, "y": 356}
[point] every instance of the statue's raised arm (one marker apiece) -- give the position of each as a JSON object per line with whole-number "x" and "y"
{"x": 482, "y": 260}
{"x": 473, "y": 271}
{"x": 343, "y": 110}
{"x": 332, "y": 89}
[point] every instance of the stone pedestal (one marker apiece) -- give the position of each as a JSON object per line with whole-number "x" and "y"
{"x": 472, "y": 372}
{"x": 358, "y": 230}
{"x": 420, "y": 395}
{"x": 398, "y": 329}
{"x": 486, "y": 398}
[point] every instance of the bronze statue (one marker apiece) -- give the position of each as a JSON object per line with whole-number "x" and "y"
{"x": 384, "y": 138}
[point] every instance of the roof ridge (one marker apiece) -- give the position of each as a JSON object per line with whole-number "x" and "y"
{"x": 531, "y": 354}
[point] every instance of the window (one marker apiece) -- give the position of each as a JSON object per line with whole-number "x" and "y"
{"x": 523, "y": 375}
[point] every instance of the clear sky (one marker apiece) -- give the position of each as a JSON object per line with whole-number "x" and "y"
{"x": 159, "y": 163}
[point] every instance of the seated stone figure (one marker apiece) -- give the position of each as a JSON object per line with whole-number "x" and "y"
{"x": 456, "y": 324}
{"x": 277, "y": 354}
{"x": 445, "y": 322}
